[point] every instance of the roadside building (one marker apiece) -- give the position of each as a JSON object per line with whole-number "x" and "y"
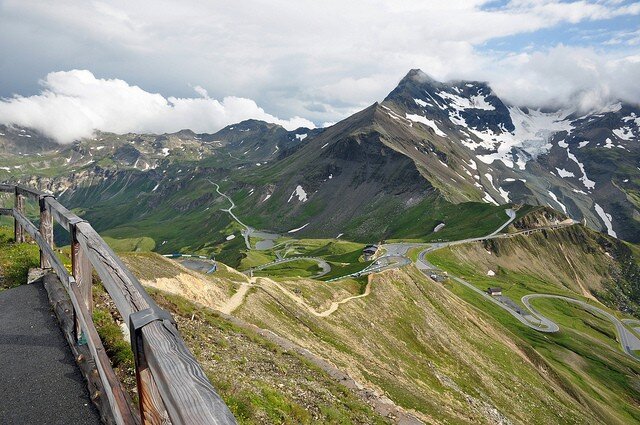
{"x": 496, "y": 291}
{"x": 369, "y": 252}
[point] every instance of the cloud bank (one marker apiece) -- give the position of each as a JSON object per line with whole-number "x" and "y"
{"x": 73, "y": 104}
{"x": 324, "y": 60}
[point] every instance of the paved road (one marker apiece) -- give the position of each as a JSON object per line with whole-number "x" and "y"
{"x": 39, "y": 380}
{"x": 628, "y": 341}
{"x": 512, "y": 216}
{"x": 268, "y": 239}
{"x": 635, "y": 324}
{"x": 532, "y": 318}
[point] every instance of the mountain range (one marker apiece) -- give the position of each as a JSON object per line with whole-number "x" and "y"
{"x": 426, "y": 154}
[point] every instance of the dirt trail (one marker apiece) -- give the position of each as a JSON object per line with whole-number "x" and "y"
{"x": 239, "y": 297}
{"x": 236, "y": 299}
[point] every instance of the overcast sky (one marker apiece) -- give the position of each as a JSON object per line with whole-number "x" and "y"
{"x": 69, "y": 67}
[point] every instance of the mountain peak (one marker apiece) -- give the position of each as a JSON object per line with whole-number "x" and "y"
{"x": 418, "y": 76}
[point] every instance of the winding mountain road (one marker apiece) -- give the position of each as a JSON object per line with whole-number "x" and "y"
{"x": 248, "y": 231}
{"x": 629, "y": 342}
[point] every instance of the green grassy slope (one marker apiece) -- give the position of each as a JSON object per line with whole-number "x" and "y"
{"x": 585, "y": 356}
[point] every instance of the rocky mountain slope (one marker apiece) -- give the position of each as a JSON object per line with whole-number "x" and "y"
{"x": 585, "y": 164}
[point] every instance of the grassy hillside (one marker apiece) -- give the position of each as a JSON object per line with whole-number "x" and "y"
{"x": 15, "y": 260}
{"x": 572, "y": 260}
{"x": 584, "y": 357}
{"x": 420, "y": 345}
{"x": 260, "y": 382}
{"x": 436, "y": 349}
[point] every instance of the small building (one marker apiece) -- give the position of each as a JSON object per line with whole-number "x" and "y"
{"x": 494, "y": 292}
{"x": 369, "y": 252}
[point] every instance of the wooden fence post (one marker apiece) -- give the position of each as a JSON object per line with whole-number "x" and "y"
{"x": 18, "y": 231}
{"x": 152, "y": 409}
{"x": 82, "y": 272}
{"x": 46, "y": 229}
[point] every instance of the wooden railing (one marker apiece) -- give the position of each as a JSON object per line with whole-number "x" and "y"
{"x": 172, "y": 387}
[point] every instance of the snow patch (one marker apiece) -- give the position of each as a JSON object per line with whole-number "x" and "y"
{"x": 420, "y": 102}
{"x": 461, "y": 103}
{"x": 555, "y": 198}
{"x": 427, "y": 122}
{"x": 487, "y": 198}
{"x": 564, "y": 173}
{"x": 491, "y": 273}
{"x": 501, "y": 191}
{"x": 299, "y": 228}
{"x": 589, "y": 184}
{"x": 606, "y": 219}
{"x": 623, "y": 133}
{"x": 301, "y": 137}
{"x": 300, "y": 193}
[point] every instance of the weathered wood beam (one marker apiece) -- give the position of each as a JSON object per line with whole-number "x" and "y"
{"x": 29, "y": 193}
{"x": 62, "y": 215}
{"x": 186, "y": 392}
{"x": 18, "y": 231}
{"x": 81, "y": 270}
{"x": 46, "y": 229}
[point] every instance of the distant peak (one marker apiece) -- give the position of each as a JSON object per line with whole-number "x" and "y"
{"x": 419, "y": 76}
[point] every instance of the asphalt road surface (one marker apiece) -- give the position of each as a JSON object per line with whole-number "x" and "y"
{"x": 39, "y": 380}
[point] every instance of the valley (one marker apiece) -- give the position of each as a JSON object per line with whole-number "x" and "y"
{"x": 438, "y": 257}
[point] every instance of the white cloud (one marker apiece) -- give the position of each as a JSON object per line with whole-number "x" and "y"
{"x": 317, "y": 59}
{"x": 583, "y": 77}
{"x": 74, "y": 103}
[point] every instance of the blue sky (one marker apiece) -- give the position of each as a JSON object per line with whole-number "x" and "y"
{"x": 303, "y": 61}
{"x": 609, "y": 34}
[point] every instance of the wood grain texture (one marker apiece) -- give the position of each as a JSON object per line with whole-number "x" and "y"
{"x": 29, "y": 193}
{"x": 152, "y": 409}
{"x": 62, "y": 215}
{"x": 81, "y": 270}
{"x": 18, "y": 231}
{"x": 46, "y": 230}
{"x": 187, "y": 393}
